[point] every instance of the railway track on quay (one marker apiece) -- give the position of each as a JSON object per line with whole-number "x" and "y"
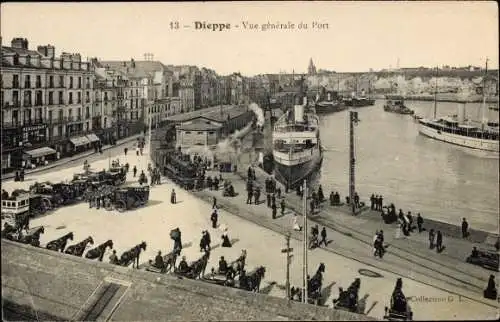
{"x": 454, "y": 280}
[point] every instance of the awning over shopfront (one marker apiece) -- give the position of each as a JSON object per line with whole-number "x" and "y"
{"x": 41, "y": 152}
{"x": 79, "y": 140}
{"x": 92, "y": 137}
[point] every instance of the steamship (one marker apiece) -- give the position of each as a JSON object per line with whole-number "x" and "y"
{"x": 296, "y": 141}
{"x": 455, "y": 129}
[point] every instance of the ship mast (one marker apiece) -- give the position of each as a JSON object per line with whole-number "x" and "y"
{"x": 353, "y": 120}
{"x": 483, "y": 106}
{"x": 435, "y": 93}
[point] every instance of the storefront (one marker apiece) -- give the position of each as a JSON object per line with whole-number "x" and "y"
{"x": 38, "y": 157}
{"x": 94, "y": 140}
{"x": 80, "y": 144}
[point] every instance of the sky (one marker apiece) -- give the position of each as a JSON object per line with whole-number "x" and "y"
{"x": 355, "y": 37}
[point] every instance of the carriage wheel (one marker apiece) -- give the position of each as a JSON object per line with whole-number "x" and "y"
{"x": 120, "y": 206}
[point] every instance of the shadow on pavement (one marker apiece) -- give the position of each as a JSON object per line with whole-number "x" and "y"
{"x": 326, "y": 292}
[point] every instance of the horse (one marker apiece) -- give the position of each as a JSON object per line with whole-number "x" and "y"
{"x": 99, "y": 251}
{"x": 60, "y": 243}
{"x": 253, "y": 279}
{"x": 32, "y": 237}
{"x": 348, "y": 299}
{"x": 78, "y": 249}
{"x": 132, "y": 255}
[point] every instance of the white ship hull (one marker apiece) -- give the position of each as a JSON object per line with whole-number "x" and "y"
{"x": 465, "y": 141}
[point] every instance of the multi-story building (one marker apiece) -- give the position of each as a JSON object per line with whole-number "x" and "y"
{"x": 186, "y": 95}
{"x": 46, "y": 105}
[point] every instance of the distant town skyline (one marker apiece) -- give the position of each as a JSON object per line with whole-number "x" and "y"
{"x": 360, "y": 35}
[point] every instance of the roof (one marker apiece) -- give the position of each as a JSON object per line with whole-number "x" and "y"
{"x": 142, "y": 68}
{"x": 39, "y": 284}
{"x": 20, "y": 51}
{"x": 200, "y": 127}
{"x": 212, "y": 113}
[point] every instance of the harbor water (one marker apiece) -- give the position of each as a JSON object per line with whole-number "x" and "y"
{"x": 416, "y": 173}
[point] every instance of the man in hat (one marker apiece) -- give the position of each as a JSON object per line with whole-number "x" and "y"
{"x": 214, "y": 218}
{"x": 183, "y": 266}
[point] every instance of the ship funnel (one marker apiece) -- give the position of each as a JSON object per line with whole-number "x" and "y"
{"x": 299, "y": 113}
{"x": 461, "y": 113}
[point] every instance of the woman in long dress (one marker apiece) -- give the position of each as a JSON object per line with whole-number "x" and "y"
{"x": 296, "y": 225}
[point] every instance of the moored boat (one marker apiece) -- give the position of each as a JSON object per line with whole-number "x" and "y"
{"x": 397, "y": 105}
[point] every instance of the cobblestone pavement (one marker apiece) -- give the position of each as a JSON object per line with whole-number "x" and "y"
{"x": 154, "y": 222}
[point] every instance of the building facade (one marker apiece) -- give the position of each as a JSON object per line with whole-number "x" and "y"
{"x": 46, "y": 105}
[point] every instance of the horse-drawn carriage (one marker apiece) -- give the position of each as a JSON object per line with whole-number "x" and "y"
{"x": 168, "y": 264}
{"x": 399, "y": 309}
{"x": 30, "y": 236}
{"x": 21, "y": 205}
{"x": 194, "y": 270}
{"x": 127, "y": 198}
{"x": 314, "y": 285}
{"x": 348, "y": 299}
{"x": 486, "y": 258}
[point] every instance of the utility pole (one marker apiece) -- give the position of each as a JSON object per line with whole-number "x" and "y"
{"x": 287, "y": 250}
{"x": 304, "y": 207}
{"x": 353, "y": 120}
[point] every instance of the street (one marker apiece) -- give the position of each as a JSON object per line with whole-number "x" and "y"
{"x": 192, "y": 215}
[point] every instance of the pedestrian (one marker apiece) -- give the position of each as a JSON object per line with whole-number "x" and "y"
{"x": 273, "y": 200}
{"x": 439, "y": 242}
{"x": 214, "y": 218}
{"x": 296, "y": 225}
{"x": 420, "y": 222}
{"x": 356, "y": 199}
{"x": 208, "y": 241}
{"x": 465, "y": 228}
{"x": 125, "y": 151}
{"x": 135, "y": 171}
{"x": 431, "y": 239}
{"x": 332, "y": 198}
{"x": 137, "y": 151}
{"x": 173, "y": 197}
{"x": 274, "y": 210}
{"x": 282, "y": 204}
{"x": 323, "y": 237}
{"x": 214, "y": 204}
{"x": 269, "y": 200}
{"x": 372, "y": 202}
{"x": 249, "y": 196}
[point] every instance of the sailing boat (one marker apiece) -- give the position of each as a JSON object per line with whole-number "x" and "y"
{"x": 454, "y": 130}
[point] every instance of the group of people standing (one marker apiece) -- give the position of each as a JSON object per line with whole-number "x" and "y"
{"x": 376, "y": 202}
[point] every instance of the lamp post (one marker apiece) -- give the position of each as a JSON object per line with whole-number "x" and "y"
{"x": 304, "y": 272}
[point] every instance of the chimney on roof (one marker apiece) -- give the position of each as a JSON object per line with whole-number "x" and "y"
{"x": 47, "y": 51}
{"x": 21, "y": 43}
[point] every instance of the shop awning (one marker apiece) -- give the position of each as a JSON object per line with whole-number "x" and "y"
{"x": 79, "y": 140}
{"x": 92, "y": 137}
{"x": 36, "y": 153}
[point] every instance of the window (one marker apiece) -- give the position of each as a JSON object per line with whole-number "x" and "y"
{"x": 70, "y": 101}
{"x": 38, "y": 81}
{"x": 50, "y": 116}
{"x": 27, "y": 98}
{"x": 61, "y": 98}
{"x": 60, "y": 116}
{"x": 15, "y": 98}
{"x": 61, "y": 81}
{"x": 88, "y": 82}
{"x": 211, "y": 132}
{"x": 79, "y": 82}
{"x": 51, "y": 98}
{"x": 87, "y": 97}
{"x": 27, "y": 81}
{"x": 51, "y": 81}
{"x": 15, "y": 81}
{"x": 71, "y": 82}
{"x": 38, "y": 98}
{"x": 199, "y": 133}
{"x": 79, "y": 97}
{"x": 187, "y": 132}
